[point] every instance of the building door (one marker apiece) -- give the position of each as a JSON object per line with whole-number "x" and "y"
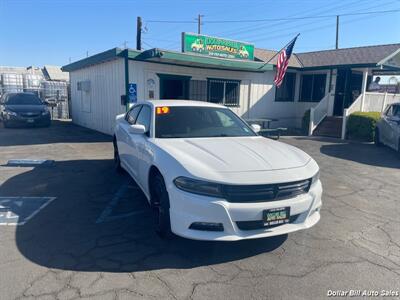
{"x": 174, "y": 86}
{"x": 355, "y": 88}
{"x": 341, "y": 92}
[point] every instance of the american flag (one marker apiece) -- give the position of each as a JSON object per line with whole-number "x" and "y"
{"x": 283, "y": 61}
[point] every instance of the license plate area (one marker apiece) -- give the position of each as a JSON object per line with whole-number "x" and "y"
{"x": 276, "y": 216}
{"x": 30, "y": 120}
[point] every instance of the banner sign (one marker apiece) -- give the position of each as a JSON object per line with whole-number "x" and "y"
{"x": 213, "y": 46}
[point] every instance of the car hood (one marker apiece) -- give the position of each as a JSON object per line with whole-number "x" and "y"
{"x": 233, "y": 154}
{"x": 25, "y": 108}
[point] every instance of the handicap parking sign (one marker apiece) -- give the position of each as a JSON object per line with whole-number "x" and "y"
{"x": 132, "y": 93}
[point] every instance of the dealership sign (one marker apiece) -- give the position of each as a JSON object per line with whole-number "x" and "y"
{"x": 212, "y": 46}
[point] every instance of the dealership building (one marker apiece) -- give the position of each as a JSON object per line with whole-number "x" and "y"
{"x": 232, "y": 73}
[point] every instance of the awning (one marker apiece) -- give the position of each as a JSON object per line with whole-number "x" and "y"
{"x": 194, "y": 60}
{"x": 172, "y": 58}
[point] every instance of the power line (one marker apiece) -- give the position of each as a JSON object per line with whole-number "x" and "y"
{"x": 281, "y": 24}
{"x": 276, "y": 19}
{"x": 281, "y": 30}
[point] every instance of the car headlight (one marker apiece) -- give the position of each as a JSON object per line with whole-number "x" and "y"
{"x": 198, "y": 187}
{"x": 10, "y": 113}
{"x": 315, "y": 178}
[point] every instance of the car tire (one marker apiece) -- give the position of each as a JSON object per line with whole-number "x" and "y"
{"x": 377, "y": 139}
{"x": 160, "y": 203}
{"x": 5, "y": 124}
{"x": 117, "y": 160}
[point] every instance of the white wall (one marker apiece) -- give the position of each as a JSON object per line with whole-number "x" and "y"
{"x": 97, "y": 108}
{"x": 261, "y": 83}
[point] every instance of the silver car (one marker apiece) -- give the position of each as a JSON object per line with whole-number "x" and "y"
{"x": 387, "y": 130}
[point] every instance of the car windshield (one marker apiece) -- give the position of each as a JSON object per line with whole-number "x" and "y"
{"x": 23, "y": 99}
{"x": 197, "y": 122}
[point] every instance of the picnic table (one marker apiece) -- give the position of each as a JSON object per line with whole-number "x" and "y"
{"x": 262, "y": 122}
{"x": 267, "y": 131}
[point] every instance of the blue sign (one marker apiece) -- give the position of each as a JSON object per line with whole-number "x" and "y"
{"x": 132, "y": 93}
{"x": 19, "y": 210}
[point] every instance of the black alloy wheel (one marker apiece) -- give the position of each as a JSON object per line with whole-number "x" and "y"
{"x": 117, "y": 160}
{"x": 160, "y": 204}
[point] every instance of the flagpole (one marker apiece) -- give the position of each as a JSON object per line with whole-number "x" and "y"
{"x": 279, "y": 51}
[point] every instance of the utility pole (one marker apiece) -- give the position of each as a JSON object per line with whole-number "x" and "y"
{"x": 87, "y": 53}
{"x": 125, "y": 44}
{"x": 139, "y": 33}
{"x": 337, "y": 32}
{"x": 199, "y": 23}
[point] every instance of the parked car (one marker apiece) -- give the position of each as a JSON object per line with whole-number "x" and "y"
{"x": 209, "y": 176}
{"x": 23, "y": 109}
{"x": 387, "y": 130}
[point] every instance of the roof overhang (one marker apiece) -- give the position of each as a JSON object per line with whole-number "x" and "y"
{"x": 197, "y": 61}
{"x": 93, "y": 60}
{"x": 172, "y": 58}
{"x": 391, "y": 61}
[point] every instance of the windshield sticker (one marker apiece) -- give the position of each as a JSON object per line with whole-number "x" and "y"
{"x": 162, "y": 110}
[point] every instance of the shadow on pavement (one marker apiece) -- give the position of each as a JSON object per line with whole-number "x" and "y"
{"x": 58, "y": 132}
{"x": 368, "y": 154}
{"x": 67, "y": 233}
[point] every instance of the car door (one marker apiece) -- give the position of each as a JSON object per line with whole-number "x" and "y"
{"x": 126, "y": 146}
{"x": 395, "y": 127}
{"x": 144, "y": 152}
{"x": 385, "y": 127}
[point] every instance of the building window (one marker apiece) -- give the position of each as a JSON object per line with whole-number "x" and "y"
{"x": 286, "y": 91}
{"x": 224, "y": 92}
{"x": 312, "y": 87}
{"x": 198, "y": 90}
{"x": 83, "y": 86}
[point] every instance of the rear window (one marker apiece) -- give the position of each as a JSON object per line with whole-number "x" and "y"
{"x": 23, "y": 99}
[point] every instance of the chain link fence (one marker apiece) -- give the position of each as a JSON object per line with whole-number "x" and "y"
{"x": 55, "y": 93}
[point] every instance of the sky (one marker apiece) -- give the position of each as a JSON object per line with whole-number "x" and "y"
{"x": 55, "y": 32}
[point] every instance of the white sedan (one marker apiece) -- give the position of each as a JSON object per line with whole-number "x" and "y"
{"x": 209, "y": 176}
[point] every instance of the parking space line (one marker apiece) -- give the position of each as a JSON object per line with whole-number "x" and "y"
{"x": 18, "y": 202}
{"x": 106, "y": 214}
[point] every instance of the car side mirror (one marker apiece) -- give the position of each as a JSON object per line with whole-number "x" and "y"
{"x": 256, "y": 127}
{"x": 137, "y": 129}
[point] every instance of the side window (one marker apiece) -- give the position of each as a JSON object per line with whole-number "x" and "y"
{"x": 132, "y": 114}
{"x": 389, "y": 111}
{"x": 144, "y": 117}
{"x": 396, "y": 110}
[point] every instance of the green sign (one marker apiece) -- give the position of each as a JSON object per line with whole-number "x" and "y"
{"x": 212, "y": 46}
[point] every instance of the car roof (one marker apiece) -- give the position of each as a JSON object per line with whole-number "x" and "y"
{"x": 171, "y": 102}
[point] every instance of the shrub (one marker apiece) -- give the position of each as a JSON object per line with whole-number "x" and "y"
{"x": 305, "y": 122}
{"x": 361, "y": 125}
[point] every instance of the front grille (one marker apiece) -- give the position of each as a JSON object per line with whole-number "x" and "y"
{"x": 265, "y": 192}
{"x": 259, "y": 224}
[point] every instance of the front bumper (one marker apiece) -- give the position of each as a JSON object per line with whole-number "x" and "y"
{"x": 187, "y": 208}
{"x": 18, "y": 120}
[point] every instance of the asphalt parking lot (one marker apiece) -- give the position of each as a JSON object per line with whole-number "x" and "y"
{"x": 91, "y": 234}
